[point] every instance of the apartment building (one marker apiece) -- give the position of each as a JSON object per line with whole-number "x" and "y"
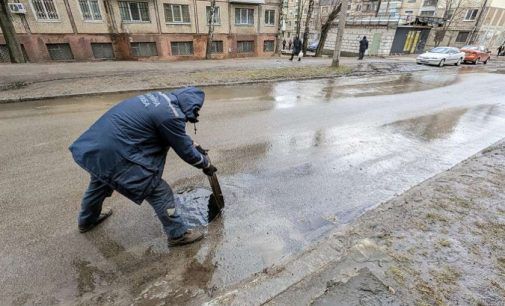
{"x": 143, "y": 29}
{"x": 479, "y": 22}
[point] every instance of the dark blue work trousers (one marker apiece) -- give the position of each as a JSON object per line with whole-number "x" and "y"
{"x": 161, "y": 199}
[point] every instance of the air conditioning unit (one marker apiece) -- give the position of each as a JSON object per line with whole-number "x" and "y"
{"x": 17, "y": 8}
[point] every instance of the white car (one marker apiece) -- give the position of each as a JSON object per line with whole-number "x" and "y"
{"x": 441, "y": 56}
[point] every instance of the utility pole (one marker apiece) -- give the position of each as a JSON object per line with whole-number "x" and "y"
{"x": 340, "y": 34}
{"x": 15, "y": 52}
{"x": 208, "y": 51}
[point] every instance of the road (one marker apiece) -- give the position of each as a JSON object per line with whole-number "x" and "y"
{"x": 295, "y": 160}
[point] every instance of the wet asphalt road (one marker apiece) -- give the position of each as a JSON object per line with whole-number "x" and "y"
{"x": 295, "y": 160}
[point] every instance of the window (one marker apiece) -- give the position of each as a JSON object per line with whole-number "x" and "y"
{"x": 90, "y": 9}
{"x": 427, "y": 13}
{"x": 102, "y": 50}
{"x": 182, "y": 47}
{"x": 430, "y": 2}
{"x": 245, "y": 46}
{"x": 412, "y": 1}
{"x": 471, "y": 15}
{"x": 144, "y": 49}
{"x": 217, "y": 15}
{"x": 462, "y": 36}
{"x": 268, "y": 46}
{"x": 60, "y": 52}
{"x": 270, "y": 17}
{"x": 176, "y": 13}
{"x": 134, "y": 11}
{"x": 244, "y": 16}
{"x": 45, "y": 9}
{"x": 217, "y": 46}
{"x": 409, "y": 12}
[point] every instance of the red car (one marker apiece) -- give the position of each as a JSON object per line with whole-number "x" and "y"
{"x": 475, "y": 54}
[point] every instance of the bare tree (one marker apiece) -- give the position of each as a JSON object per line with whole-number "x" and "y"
{"x": 210, "y": 35}
{"x": 307, "y": 26}
{"x": 326, "y": 26}
{"x": 453, "y": 12}
{"x": 278, "y": 43}
{"x": 9, "y": 33}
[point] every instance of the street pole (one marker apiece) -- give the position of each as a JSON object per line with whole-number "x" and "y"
{"x": 15, "y": 52}
{"x": 340, "y": 34}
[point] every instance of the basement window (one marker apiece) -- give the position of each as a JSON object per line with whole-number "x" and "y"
{"x": 245, "y": 46}
{"x": 182, "y": 47}
{"x": 268, "y": 46}
{"x": 217, "y": 46}
{"x": 144, "y": 49}
{"x": 60, "y": 52}
{"x": 102, "y": 50}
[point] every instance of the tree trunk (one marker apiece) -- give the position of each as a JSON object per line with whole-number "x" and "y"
{"x": 325, "y": 28}
{"x": 210, "y": 35}
{"x": 378, "y": 8}
{"x": 15, "y": 51}
{"x": 299, "y": 19}
{"x": 340, "y": 34}
{"x": 307, "y": 26}
{"x": 278, "y": 43}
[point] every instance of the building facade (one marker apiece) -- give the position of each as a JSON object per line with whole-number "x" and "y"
{"x": 144, "y": 29}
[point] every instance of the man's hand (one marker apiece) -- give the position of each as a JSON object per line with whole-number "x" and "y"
{"x": 210, "y": 170}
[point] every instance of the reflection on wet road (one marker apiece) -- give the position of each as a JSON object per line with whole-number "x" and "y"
{"x": 295, "y": 160}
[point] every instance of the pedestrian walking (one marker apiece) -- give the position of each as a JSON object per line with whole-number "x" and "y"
{"x": 363, "y": 46}
{"x": 125, "y": 151}
{"x": 297, "y": 49}
{"x": 283, "y": 44}
{"x": 290, "y": 43}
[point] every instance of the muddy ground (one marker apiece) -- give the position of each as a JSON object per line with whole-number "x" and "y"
{"x": 42, "y": 81}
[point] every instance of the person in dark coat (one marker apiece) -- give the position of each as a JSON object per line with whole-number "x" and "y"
{"x": 500, "y": 50}
{"x": 125, "y": 151}
{"x": 363, "y": 46}
{"x": 297, "y": 48}
{"x": 283, "y": 44}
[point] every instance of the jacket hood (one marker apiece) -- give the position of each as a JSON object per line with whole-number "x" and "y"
{"x": 188, "y": 99}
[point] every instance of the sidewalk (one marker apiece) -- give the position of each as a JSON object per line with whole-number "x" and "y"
{"x": 442, "y": 242}
{"x": 50, "y": 80}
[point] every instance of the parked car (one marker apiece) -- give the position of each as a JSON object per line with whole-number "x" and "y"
{"x": 312, "y": 46}
{"x": 441, "y": 56}
{"x": 475, "y": 54}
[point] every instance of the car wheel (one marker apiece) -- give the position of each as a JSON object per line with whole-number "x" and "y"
{"x": 442, "y": 63}
{"x": 458, "y": 62}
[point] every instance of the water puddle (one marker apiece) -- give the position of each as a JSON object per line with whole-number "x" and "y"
{"x": 430, "y": 127}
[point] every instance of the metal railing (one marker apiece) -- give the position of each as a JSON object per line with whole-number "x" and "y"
{"x": 393, "y": 20}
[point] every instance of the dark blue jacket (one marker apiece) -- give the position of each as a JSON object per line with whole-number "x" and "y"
{"x": 127, "y": 147}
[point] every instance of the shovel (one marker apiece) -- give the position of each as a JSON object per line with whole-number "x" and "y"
{"x": 216, "y": 201}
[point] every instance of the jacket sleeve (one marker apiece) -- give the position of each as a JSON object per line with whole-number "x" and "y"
{"x": 173, "y": 131}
